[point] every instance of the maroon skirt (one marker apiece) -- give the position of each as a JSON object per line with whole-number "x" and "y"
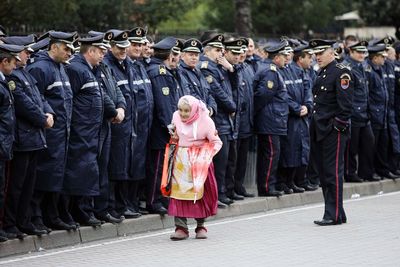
{"x": 205, "y": 207}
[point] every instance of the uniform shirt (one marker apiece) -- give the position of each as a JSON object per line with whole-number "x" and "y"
{"x": 333, "y": 96}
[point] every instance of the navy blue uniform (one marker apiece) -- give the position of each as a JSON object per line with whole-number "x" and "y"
{"x": 378, "y": 113}
{"x": 113, "y": 99}
{"x": 123, "y": 135}
{"x": 30, "y": 109}
{"x": 7, "y": 126}
{"x": 361, "y": 132}
{"x": 333, "y": 93}
{"x": 225, "y": 90}
{"x": 246, "y": 123}
{"x": 198, "y": 86}
{"x": 166, "y": 91}
{"x": 270, "y": 122}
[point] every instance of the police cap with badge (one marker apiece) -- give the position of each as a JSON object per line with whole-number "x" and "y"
{"x": 192, "y": 45}
{"x": 387, "y": 41}
{"x": 302, "y": 48}
{"x": 319, "y": 45}
{"x": 67, "y": 38}
{"x": 165, "y": 44}
{"x": 378, "y": 49}
{"x": 215, "y": 40}
{"x": 25, "y": 41}
{"x": 107, "y": 37}
{"x": 11, "y": 50}
{"x": 137, "y": 35}
{"x": 178, "y": 46}
{"x": 234, "y": 45}
{"x": 277, "y": 47}
{"x": 97, "y": 41}
{"x": 120, "y": 39}
{"x": 360, "y": 46}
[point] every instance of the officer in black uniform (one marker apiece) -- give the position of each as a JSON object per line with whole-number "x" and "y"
{"x": 361, "y": 132}
{"x": 333, "y": 93}
{"x": 33, "y": 115}
{"x": 271, "y": 112}
{"x": 8, "y": 59}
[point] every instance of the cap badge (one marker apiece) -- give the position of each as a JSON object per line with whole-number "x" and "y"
{"x": 220, "y": 38}
{"x": 239, "y": 43}
{"x": 193, "y": 43}
{"x": 314, "y": 43}
{"x": 138, "y": 32}
{"x": 125, "y": 35}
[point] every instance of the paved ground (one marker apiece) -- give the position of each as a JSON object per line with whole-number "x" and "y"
{"x": 285, "y": 237}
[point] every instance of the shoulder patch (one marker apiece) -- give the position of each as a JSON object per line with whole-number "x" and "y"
{"x": 368, "y": 68}
{"x": 163, "y": 70}
{"x": 11, "y": 85}
{"x": 270, "y": 84}
{"x": 273, "y": 67}
{"x": 345, "y": 81}
{"x": 342, "y": 66}
{"x": 204, "y": 65}
{"x": 209, "y": 79}
{"x": 165, "y": 90}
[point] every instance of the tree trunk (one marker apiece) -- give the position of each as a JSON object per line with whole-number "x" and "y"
{"x": 243, "y": 24}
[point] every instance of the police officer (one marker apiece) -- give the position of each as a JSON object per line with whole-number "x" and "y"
{"x": 145, "y": 106}
{"x": 53, "y": 83}
{"x": 245, "y": 136}
{"x": 333, "y": 93}
{"x": 378, "y": 108}
{"x": 361, "y": 132}
{"x": 198, "y": 84}
{"x": 397, "y": 84}
{"x": 87, "y": 117}
{"x": 220, "y": 74}
{"x": 124, "y": 135}
{"x": 114, "y": 112}
{"x": 296, "y": 145}
{"x": 270, "y": 117}
{"x": 166, "y": 92}
{"x": 33, "y": 115}
{"x": 8, "y": 59}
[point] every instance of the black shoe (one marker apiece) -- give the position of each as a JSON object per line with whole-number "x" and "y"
{"x": 391, "y": 175}
{"x": 297, "y": 189}
{"x": 235, "y": 196}
{"x": 32, "y": 231}
{"x": 38, "y": 224}
{"x": 92, "y": 221}
{"x": 131, "y": 214}
{"x": 3, "y": 236}
{"x": 143, "y": 211}
{"x": 60, "y": 225}
{"x": 310, "y": 187}
{"x": 396, "y": 172}
{"x": 325, "y": 222}
{"x": 374, "y": 178}
{"x": 226, "y": 200}
{"x": 285, "y": 189}
{"x": 110, "y": 219}
{"x": 353, "y": 179}
{"x": 246, "y": 194}
{"x": 14, "y": 231}
{"x": 222, "y": 205}
{"x": 274, "y": 193}
{"x": 158, "y": 210}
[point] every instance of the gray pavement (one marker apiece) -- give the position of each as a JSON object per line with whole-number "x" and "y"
{"x": 285, "y": 237}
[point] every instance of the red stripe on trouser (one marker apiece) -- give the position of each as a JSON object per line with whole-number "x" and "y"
{"x": 155, "y": 177}
{"x": 270, "y": 162}
{"x": 337, "y": 176}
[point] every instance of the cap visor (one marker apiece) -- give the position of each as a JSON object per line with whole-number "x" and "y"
{"x": 124, "y": 44}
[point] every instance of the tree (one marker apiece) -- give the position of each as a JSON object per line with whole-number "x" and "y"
{"x": 243, "y": 20}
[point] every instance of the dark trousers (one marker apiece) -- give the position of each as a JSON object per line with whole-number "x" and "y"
{"x": 2, "y": 189}
{"x": 268, "y": 153}
{"x": 153, "y": 193}
{"x": 293, "y": 175}
{"x": 101, "y": 202}
{"x": 381, "y": 151}
{"x": 361, "y": 145}
{"x": 240, "y": 173}
{"x": 224, "y": 163}
{"x": 119, "y": 191}
{"x": 393, "y": 158}
{"x": 133, "y": 196}
{"x": 20, "y": 189}
{"x": 82, "y": 208}
{"x": 312, "y": 176}
{"x": 330, "y": 162}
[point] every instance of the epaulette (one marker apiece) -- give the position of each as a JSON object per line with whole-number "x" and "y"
{"x": 204, "y": 65}
{"x": 368, "y": 68}
{"x": 273, "y": 67}
{"x": 163, "y": 70}
{"x": 342, "y": 66}
{"x": 397, "y": 69}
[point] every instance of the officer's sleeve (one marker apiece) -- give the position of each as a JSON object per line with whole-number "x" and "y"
{"x": 46, "y": 106}
{"x": 25, "y": 107}
{"x": 162, "y": 103}
{"x": 109, "y": 106}
{"x": 223, "y": 100}
{"x": 40, "y": 77}
{"x": 308, "y": 97}
{"x": 120, "y": 101}
{"x": 265, "y": 86}
{"x": 211, "y": 102}
{"x": 344, "y": 95}
{"x": 75, "y": 79}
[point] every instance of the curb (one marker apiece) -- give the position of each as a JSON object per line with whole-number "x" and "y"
{"x": 154, "y": 222}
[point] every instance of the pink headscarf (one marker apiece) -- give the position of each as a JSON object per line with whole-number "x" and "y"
{"x": 197, "y": 108}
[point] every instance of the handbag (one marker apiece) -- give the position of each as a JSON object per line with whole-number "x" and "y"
{"x": 168, "y": 165}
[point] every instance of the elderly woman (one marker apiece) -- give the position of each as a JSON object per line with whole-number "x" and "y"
{"x": 192, "y": 127}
